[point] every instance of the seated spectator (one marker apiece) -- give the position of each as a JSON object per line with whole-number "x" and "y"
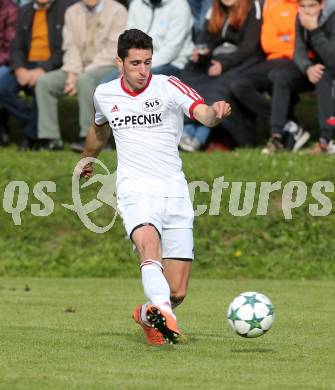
{"x": 231, "y": 39}
{"x": 35, "y": 50}
{"x": 8, "y": 15}
{"x": 313, "y": 68}
{"x": 21, "y": 3}
{"x": 169, "y": 23}
{"x": 90, "y": 34}
{"x": 199, "y": 10}
{"x": 277, "y": 41}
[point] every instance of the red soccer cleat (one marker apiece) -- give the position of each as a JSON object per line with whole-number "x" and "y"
{"x": 164, "y": 322}
{"x": 153, "y": 336}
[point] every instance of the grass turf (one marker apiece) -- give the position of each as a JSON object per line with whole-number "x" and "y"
{"x": 78, "y": 334}
{"x": 226, "y": 246}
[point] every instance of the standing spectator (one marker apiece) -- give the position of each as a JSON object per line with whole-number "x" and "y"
{"x": 313, "y": 68}
{"x": 277, "y": 41}
{"x": 90, "y": 34}
{"x": 231, "y": 40}
{"x": 8, "y": 16}
{"x": 35, "y": 50}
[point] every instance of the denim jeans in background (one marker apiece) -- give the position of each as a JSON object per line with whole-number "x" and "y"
{"x": 167, "y": 69}
{"x": 19, "y": 108}
{"x": 197, "y": 131}
{"x": 199, "y": 10}
{"x": 4, "y": 70}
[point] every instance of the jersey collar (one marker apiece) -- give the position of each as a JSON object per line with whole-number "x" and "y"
{"x": 135, "y": 93}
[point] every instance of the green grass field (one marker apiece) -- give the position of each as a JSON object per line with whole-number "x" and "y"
{"x": 78, "y": 334}
{"x": 267, "y": 247}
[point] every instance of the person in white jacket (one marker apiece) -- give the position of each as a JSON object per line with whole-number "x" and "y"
{"x": 169, "y": 23}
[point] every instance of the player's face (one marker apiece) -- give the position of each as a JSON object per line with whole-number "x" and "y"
{"x": 310, "y": 7}
{"x": 136, "y": 68}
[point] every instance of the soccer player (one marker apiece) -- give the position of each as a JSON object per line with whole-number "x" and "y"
{"x": 145, "y": 112}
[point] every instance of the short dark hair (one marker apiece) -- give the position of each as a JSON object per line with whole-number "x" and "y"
{"x": 133, "y": 39}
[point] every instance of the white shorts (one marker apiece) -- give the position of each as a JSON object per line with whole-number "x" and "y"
{"x": 172, "y": 218}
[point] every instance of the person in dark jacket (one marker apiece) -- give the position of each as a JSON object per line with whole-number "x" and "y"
{"x": 313, "y": 68}
{"x": 36, "y": 49}
{"x": 8, "y": 16}
{"x": 229, "y": 43}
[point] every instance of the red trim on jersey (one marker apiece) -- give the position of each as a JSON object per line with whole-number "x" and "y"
{"x": 194, "y": 105}
{"x": 177, "y": 86}
{"x": 189, "y": 91}
{"x": 135, "y": 93}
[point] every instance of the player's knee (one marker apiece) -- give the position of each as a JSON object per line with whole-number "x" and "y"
{"x": 148, "y": 247}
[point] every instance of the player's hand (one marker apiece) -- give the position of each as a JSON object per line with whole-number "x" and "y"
{"x": 222, "y": 109}
{"x": 215, "y": 69}
{"x": 315, "y": 73}
{"x": 84, "y": 170}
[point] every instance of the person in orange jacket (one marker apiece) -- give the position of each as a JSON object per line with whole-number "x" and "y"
{"x": 277, "y": 42}
{"x": 313, "y": 69}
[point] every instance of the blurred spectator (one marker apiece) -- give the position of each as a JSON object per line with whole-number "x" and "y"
{"x": 21, "y": 3}
{"x": 230, "y": 43}
{"x": 8, "y": 15}
{"x": 277, "y": 41}
{"x": 90, "y": 35}
{"x": 313, "y": 67}
{"x": 35, "y": 50}
{"x": 169, "y": 23}
{"x": 199, "y": 10}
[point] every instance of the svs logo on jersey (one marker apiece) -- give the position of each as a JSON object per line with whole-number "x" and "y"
{"x": 152, "y": 105}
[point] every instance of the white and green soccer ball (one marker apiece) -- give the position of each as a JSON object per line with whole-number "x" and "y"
{"x": 251, "y": 314}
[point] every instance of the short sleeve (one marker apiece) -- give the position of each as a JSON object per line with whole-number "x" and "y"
{"x": 99, "y": 118}
{"x": 185, "y": 96}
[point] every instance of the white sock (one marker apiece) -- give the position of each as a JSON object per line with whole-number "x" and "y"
{"x": 144, "y": 313}
{"x": 156, "y": 288}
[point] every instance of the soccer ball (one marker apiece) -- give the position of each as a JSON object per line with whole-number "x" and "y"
{"x": 251, "y": 314}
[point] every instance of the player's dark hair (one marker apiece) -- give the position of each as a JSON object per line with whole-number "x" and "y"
{"x": 133, "y": 39}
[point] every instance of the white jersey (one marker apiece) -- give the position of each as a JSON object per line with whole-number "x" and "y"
{"x": 147, "y": 126}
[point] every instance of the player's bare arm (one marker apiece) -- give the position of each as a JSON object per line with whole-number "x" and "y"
{"x": 96, "y": 139}
{"x": 213, "y": 115}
